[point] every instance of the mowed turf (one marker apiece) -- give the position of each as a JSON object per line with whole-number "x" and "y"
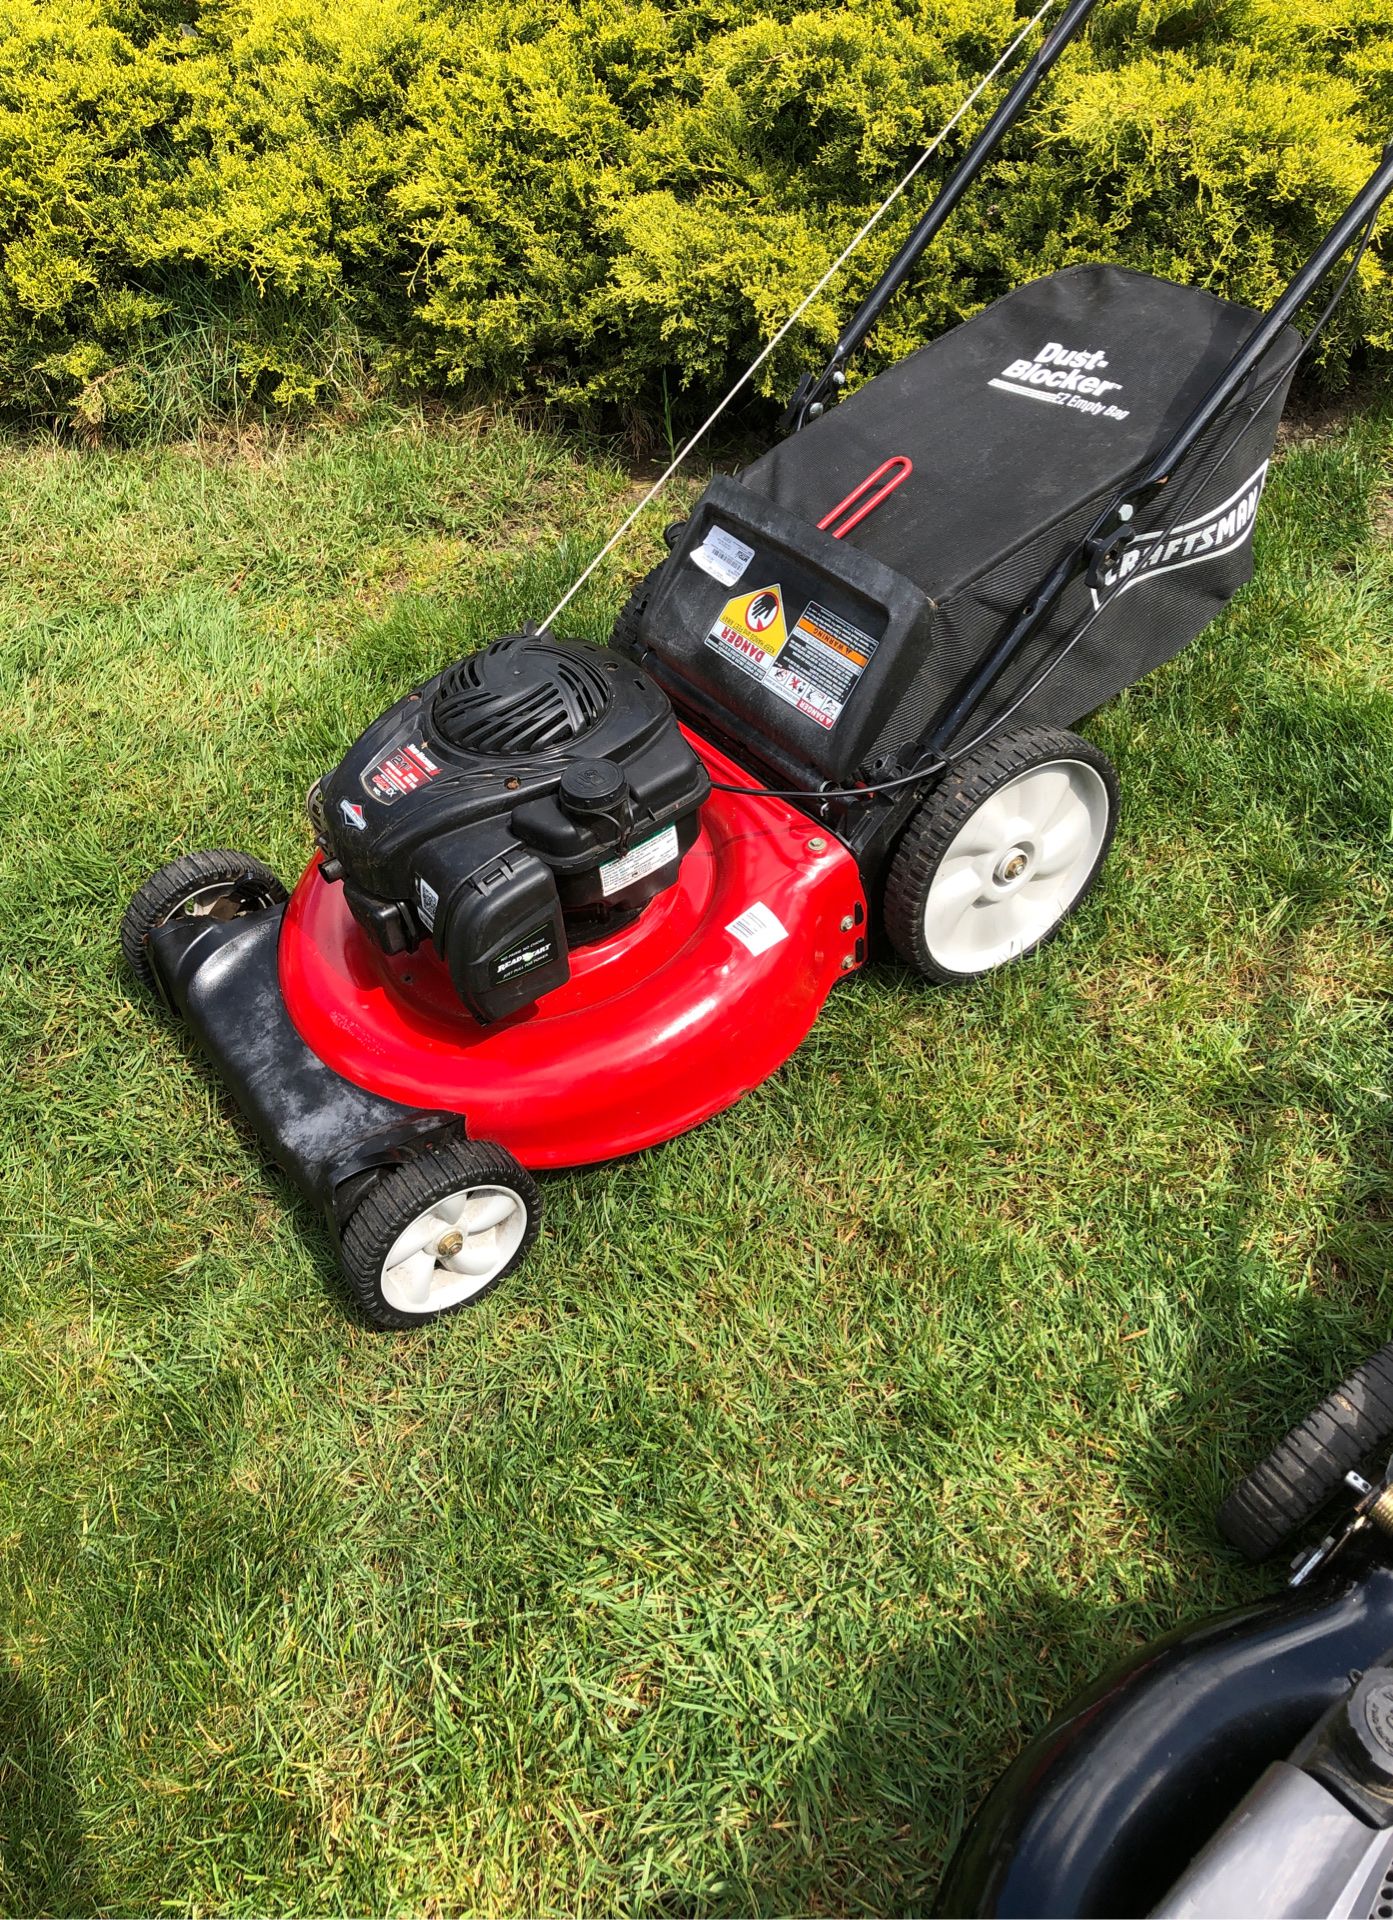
{"x": 719, "y": 1560}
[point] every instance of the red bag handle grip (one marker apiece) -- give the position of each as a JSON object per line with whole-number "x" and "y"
{"x": 904, "y": 466}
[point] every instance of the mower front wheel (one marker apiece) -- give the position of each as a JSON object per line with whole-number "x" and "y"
{"x": 219, "y": 885}
{"x": 1000, "y": 853}
{"x": 438, "y": 1232}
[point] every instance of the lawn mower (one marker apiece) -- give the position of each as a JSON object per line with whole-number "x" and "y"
{"x": 569, "y": 900}
{"x": 1242, "y": 1766}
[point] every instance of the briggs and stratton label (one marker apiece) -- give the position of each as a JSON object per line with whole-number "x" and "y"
{"x": 722, "y": 556}
{"x": 1217, "y": 532}
{"x": 815, "y": 667}
{"x": 428, "y": 900}
{"x": 533, "y": 950}
{"x": 401, "y": 771}
{"x": 639, "y": 862}
{"x": 1066, "y": 377}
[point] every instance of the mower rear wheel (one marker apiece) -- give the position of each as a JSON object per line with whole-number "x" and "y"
{"x": 220, "y": 885}
{"x": 438, "y": 1232}
{"x": 1000, "y": 853}
{"x": 1268, "y": 1507}
{"x": 625, "y": 633}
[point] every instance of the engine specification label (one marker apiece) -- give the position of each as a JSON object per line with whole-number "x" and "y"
{"x": 813, "y": 665}
{"x": 638, "y": 862}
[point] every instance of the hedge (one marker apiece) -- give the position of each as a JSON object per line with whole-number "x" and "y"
{"x": 602, "y": 203}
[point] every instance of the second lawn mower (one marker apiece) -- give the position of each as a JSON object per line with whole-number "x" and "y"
{"x": 568, "y": 901}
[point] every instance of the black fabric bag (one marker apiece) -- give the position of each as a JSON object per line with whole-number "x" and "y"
{"x": 1020, "y": 424}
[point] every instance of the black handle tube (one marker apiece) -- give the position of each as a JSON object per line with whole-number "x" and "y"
{"x": 952, "y": 191}
{"x": 1346, "y": 229}
{"x": 1122, "y": 508}
{"x": 962, "y": 177}
{"x": 1031, "y": 617}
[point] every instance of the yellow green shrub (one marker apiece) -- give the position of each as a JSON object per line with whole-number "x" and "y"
{"x": 593, "y": 201}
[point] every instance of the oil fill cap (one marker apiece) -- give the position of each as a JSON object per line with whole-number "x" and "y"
{"x": 591, "y": 786}
{"x": 1371, "y": 1723}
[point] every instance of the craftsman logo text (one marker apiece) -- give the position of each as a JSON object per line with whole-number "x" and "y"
{"x": 1219, "y": 531}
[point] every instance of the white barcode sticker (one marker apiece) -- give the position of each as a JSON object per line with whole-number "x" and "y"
{"x": 758, "y": 928}
{"x": 722, "y": 556}
{"x": 639, "y": 861}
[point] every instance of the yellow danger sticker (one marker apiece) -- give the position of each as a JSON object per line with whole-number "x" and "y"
{"x": 756, "y": 619}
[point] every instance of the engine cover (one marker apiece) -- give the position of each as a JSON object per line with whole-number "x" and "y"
{"x": 532, "y": 798}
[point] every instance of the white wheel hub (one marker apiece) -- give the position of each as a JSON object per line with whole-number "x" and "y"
{"x": 454, "y": 1249}
{"x": 1016, "y": 866}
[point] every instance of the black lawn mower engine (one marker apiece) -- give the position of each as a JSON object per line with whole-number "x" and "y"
{"x": 532, "y": 798}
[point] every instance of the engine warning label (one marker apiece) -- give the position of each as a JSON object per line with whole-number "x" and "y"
{"x": 401, "y": 771}
{"x": 814, "y": 667}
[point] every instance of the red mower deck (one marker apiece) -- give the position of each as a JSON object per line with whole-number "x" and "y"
{"x": 665, "y": 1024}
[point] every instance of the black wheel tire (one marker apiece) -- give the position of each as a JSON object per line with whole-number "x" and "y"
{"x": 933, "y": 828}
{"x": 205, "y": 880}
{"x": 1270, "y": 1506}
{"x": 625, "y": 636}
{"x": 402, "y": 1193}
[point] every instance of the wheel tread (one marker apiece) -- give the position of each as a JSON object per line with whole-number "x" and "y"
{"x": 408, "y": 1189}
{"x": 152, "y": 904}
{"x": 1306, "y": 1469}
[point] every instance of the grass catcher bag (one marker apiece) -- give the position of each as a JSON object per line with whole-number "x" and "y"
{"x": 1019, "y": 425}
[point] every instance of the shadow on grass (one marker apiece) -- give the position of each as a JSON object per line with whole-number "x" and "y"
{"x": 869, "y": 1820}
{"x": 1265, "y": 1353}
{"x": 44, "y": 1868}
{"x": 872, "y": 1815}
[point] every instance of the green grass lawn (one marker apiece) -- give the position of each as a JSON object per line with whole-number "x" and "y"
{"x": 718, "y": 1561}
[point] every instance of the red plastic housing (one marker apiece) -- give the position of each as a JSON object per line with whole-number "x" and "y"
{"x": 659, "y": 1027}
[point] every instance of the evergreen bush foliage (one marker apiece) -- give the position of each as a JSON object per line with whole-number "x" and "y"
{"x": 212, "y": 203}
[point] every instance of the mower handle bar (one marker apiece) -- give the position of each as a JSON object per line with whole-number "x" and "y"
{"x": 1112, "y": 530}
{"x": 810, "y": 398}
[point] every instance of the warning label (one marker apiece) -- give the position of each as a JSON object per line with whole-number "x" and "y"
{"x": 822, "y": 661}
{"x": 815, "y": 667}
{"x": 399, "y": 772}
{"x": 751, "y": 628}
